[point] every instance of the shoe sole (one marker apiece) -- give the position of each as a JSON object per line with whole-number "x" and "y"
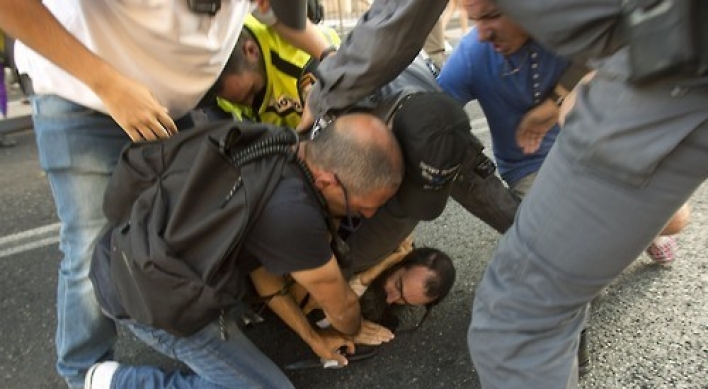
{"x": 88, "y": 381}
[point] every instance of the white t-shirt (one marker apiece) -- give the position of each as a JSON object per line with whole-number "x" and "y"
{"x": 174, "y": 52}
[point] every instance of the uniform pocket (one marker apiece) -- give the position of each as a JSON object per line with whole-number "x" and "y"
{"x": 624, "y": 133}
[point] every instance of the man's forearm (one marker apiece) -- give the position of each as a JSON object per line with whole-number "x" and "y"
{"x": 368, "y": 276}
{"x": 328, "y": 287}
{"x": 310, "y": 40}
{"x": 289, "y": 312}
{"x": 347, "y": 318}
{"x": 386, "y": 39}
{"x": 31, "y": 22}
{"x": 570, "y": 77}
{"x": 577, "y": 29}
{"x": 283, "y": 304}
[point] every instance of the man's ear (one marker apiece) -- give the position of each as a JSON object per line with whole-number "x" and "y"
{"x": 324, "y": 180}
{"x": 251, "y": 51}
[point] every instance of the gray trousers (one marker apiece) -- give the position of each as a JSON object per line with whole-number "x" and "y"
{"x": 626, "y": 160}
{"x": 483, "y": 195}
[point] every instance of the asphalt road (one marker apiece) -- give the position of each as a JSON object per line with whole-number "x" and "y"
{"x": 649, "y": 329}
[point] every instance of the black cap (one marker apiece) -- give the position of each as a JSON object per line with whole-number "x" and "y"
{"x": 292, "y": 13}
{"x": 434, "y": 132}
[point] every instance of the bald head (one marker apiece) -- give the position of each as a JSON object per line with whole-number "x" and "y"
{"x": 361, "y": 150}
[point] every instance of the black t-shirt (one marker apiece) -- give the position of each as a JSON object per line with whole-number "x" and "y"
{"x": 290, "y": 234}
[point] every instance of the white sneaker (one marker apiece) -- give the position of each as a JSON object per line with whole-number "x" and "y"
{"x": 100, "y": 375}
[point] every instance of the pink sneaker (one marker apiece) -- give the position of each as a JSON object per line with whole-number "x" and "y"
{"x": 663, "y": 250}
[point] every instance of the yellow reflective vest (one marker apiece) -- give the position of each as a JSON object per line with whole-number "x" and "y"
{"x": 287, "y": 68}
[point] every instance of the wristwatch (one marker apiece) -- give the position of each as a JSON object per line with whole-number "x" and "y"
{"x": 327, "y": 52}
{"x": 556, "y": 96}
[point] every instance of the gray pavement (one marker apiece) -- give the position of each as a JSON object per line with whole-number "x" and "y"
{"x": 648, "y": 330}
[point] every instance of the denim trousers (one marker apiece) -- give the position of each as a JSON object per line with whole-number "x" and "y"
{"x": 78, "y": 149}
{"x": 215, "y": 363}
{"x": 626, "y": 160}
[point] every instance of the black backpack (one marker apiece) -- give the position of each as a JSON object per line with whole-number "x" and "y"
{"x": 179, "y": 210}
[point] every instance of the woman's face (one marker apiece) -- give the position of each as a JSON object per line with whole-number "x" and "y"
{"x": 407, "y": 286}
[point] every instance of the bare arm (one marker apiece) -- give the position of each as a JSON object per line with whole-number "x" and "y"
{"x": 328, "y": 287}
{"x": 309, "y": 40}
{"x": 130, "y": 104}
{"x": 535, "y": 124}
{"x": 539, "y": 120}
{"x": 569, "y": 101}
{"x": 329, "y": 339}
{"x": 324, "y": 343}
{"x": 367, "y": 276}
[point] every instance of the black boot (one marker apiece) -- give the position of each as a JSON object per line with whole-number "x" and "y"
{"x": 584, "y": 365}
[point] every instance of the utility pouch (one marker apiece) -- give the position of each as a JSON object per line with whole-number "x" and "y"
{"x": 666, "y": 38}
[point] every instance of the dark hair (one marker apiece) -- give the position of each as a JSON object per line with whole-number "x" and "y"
{"x": 238, "y": 63}
{"x": 373, "y": 302}
{"x": 438, "y": 285}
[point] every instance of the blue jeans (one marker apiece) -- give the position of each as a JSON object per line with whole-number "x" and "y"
{"x": 215, "y": 363}
{"x": 78, "y": 148}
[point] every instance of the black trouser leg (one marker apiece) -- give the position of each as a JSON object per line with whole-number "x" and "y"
{"x": 482, "y": 193}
